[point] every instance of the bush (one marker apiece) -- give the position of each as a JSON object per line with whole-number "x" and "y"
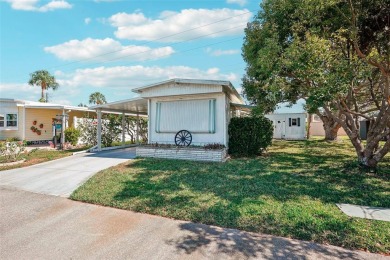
{"x": 72, "y": 135}
{"x": 13, "y": 139}
{"x": 249, "y": 136}
{"x": 111, "y": 129}
{"x": 12, "y": 150}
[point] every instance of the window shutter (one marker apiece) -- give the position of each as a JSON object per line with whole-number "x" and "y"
{"x": 299, "y": 121}
{"x": 289, "y": 121}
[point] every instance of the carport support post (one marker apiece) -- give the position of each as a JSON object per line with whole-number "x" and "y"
{"x": 123, "y": 128}
{"x": 137, "y": 133}
{"x": 63, "y": 122}
{"x": 99, "y": 130}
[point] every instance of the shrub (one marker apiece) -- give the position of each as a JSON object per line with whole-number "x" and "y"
{"x": 72, "y": 135}
{"x": 12, "y": 150}
{"x": 249, "y": 136}
{"x": 13, "y": 139}
{"x": 214, "y": 146}
{"x": 111, "y": 129}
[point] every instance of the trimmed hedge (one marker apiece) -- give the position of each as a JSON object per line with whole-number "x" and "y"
{"x": 249, "y": 136}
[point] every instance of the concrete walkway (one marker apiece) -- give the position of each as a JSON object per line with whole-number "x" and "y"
{"x": 61, "y": 177}
{"x": 375, "y": 213}
{"x": 36, "y": 226}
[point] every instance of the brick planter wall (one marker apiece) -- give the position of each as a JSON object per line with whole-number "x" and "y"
{"x": 194, "y": 154}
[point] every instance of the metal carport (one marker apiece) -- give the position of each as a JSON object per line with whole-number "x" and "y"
{"x": 135, "y": 106}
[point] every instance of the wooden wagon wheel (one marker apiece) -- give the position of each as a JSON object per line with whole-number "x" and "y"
{"x": 183, "y": 137}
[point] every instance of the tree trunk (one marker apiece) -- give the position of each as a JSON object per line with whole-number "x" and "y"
{"x": 370, "y": 153}
{"x": 308, "y": 126}
{"x": 331, "y": 127}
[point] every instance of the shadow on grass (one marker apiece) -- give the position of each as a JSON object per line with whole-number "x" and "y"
{"x": 286, "y": 193}
{"x": 238, "y": 244}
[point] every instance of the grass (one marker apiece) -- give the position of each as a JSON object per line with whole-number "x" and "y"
{"x": 289, "y": 192}
{"x": 38, "y": 156}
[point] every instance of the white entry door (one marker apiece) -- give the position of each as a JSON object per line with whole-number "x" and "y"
{"x": 279, "y": 131}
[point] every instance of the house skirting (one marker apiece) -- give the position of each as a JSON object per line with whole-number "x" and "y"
{"x": 183, "y": 153}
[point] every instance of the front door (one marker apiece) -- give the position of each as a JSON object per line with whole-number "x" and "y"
{"x": 279, "y": 129}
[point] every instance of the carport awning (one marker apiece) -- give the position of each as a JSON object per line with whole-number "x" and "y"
{"x": 129, "y": 106}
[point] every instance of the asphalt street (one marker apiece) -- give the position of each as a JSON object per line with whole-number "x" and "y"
{"x": 38, "y": 226}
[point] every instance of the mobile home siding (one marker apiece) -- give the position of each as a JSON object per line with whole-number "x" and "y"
{"x": 200, "y": 128}
{"x": 8, "y": 107}
{"x": 42, "y": 116}
{"x": 45, "y": 116}
{"x": 173, "y": 89}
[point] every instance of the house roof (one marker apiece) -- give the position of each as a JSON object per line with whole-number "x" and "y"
{"x": 34, "y": 104}
{"x": 227, "y": 85}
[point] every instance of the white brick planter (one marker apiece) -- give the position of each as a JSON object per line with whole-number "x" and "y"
{"x": 182, "y": 153}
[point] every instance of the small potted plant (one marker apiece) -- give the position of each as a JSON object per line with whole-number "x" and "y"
{"x": 32, "y": 128}
{"x": 34, "y": 122}
{"x": 38, "y": 132}
{"x": 41, "y": 126}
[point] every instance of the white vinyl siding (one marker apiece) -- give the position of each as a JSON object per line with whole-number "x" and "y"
{"x": 8, "y": 116}
{"x": 173, "y": 89}
{"x": 11, "y": 128}
{"x": 289, "y": 126}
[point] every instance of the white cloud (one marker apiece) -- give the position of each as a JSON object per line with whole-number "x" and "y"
{"x": 95, "y": 49}
{"x": 135, "y": 76}
{"x": 124, "y": 19}
{"x": 13, "y": 90}
{"x": 135, "y": 26}
{"x": 115, "y": 82}
{"x": 32, "y": 5}
{"x": 239, "y": 2}
{"x": 24, "y": 91}
{"x": 87, "y": 20}
{"x": 221, "y": 52}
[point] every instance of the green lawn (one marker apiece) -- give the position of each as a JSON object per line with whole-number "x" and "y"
{"x": 289, "y": 192}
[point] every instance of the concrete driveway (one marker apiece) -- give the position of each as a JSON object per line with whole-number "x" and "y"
{"x": 61, "y": 177}
{"x": 37, "y": 226}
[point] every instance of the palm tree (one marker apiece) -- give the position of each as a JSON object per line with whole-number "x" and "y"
{"x": 97, "y": 98}
{"x": 43, "y": 79}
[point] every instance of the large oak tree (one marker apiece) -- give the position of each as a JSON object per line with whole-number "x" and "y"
{"x": 335, "y": 55}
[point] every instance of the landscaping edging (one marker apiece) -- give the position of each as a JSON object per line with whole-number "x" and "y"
{"x": 195, "y": 154}
{"x": 12, "y": 163}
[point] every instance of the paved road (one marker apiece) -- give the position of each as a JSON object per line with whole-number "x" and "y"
{"x": 37, "y": 226}
{"x": 61, "y": 177}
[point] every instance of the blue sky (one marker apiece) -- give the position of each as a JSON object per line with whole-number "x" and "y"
{"x": 112, "y": 46}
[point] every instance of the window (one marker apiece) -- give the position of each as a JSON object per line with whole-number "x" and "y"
{"x": 8, "y": 120}
{"x": 12, "y": 120}
{"x": 294, "y": 121}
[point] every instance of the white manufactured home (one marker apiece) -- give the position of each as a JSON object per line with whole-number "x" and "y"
{"x": 200, "y": 109}
{"x": 289, "y": 126}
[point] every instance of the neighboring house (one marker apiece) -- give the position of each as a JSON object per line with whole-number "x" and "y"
{"x": 18, "y": 116}
{"x": 290, "y": 126}
{"x": 317, "y": 127}
{"x": 202, "y": 107}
